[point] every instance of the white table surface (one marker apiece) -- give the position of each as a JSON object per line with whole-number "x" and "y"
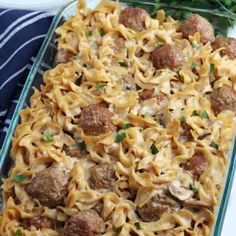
{"x": 53, "y": 5}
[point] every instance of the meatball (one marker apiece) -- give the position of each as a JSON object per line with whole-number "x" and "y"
{"x": 197, "y": 23}
{"x": 84, "y": 223}
{"x": 134, "y": 18}
{"x": 63, "y": 56}
{"x": 146, "y": 94}
{"x": 196, "y": 165}
{"x": 102, "y": 177}
{"x": 38, "y": 222}
{"x": 156, "y": 206}
{"x": 74, "y": 151}
{"x": 96, "y": 120}
{"x": 223, "y": 98}
{"x": 49, "y": 186}
{"x": 167, "y": 56}
{"x": 186, "y": 131}
{"x": 229, "y": 45}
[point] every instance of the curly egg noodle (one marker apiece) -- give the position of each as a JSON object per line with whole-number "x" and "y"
{"x": 111, "y": 66}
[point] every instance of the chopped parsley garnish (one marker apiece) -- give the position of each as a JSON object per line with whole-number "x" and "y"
{"x": 117, "y": 230}
{"x": 194, "y": 65}
{"x": 214, "y": 144}
{"x": 101, "y": 31}
{"x": 193, "y": 188}
{"x": 182, "y": 119}
{"x": 82, "y": 146}
{"x": 120, "y": 137}
{"x": 19, "y": 178}
{"x": 100, "y": 85}
{"x": 154, "y": 149}
{"x": 127, "y": 126}
{"x": 47, "y": 137}
{"x": 105, "y": 178}
{"x": 79, "y": 80}
{"x": 195, "y": 113}
{"x": 148, "y": 114}
{"x": 85, "y": 65}
{"x": 137, "y": 225}
{"x": 205, "y": 115}
{"x": 212, "y": 68}
{"x": 77, "y": 57}
{"x": 159, "y": 44}
{"x": 127, "y": 88}
{"x": 90, "y": 33}
{"x": 123, "y": 64}
{"x": 195, "y": 45}
{"x": 18, "y": 232}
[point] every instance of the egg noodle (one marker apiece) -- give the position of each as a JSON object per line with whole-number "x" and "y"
{"x": 111, "y": 65}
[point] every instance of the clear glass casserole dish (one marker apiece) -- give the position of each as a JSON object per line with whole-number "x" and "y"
{"x": 44, "y": 60}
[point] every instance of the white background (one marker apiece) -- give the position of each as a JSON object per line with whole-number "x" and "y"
{"x": 53, "y": 5}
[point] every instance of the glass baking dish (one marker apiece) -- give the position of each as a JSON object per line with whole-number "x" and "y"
{"x": 45, "y": 61}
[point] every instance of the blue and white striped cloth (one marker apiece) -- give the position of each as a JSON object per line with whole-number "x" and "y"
{"x": 21, "y": 34}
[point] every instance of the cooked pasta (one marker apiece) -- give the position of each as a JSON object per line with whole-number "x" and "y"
{"x": 129, "y": 133}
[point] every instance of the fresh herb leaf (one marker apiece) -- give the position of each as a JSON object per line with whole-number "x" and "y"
{"x": 127, "y": 88}
{"x": 47, "y": 137}
{"x": 194, "y": 65}
{"x": 79, "y": 80}
{"x": 82, "y": 146}
{"x": 100, "y": 85}
{"x": 127, "y": 126}
{"x": 137, "y": 225}
{"x": 19, "y": 178}
{"x": 116, "y": 230}
{"x": 123, "y": 64}
{"x": 194, "y": 189}
{"x": 148, "y": 114}
{"x": 159, "y": 44}
{"x": 182, "y": 119}
{"x": 205, "y": 115}
{"x": 77, "y": 57}
{"x": 105, "y": 178}
{"x": 195, "y": 113}
{"x": 154, "y": 149}
{"x": 194, "y": 45}
{"x": 101, "y": 31}
{"x": 120, "y": 137}
{"x": 85, "y": 65}
{"x": 212, "y": 68}
{"x": 89, "y": 33}
{"x": 18, "y": 232}
{"x": 214, "y": 144}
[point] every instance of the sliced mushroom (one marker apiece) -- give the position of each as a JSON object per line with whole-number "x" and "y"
{"x": 180, "y": 192}
{"x": 197, "y": 203}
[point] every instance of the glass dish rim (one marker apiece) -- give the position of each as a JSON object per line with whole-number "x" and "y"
{"x": 229, "y": 176}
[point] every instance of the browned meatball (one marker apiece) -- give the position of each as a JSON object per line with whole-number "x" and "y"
{"x": 96, "y": 119}
{"x": 50, "y": 185}
{"x": 156, "y": 206}
{"x": 74, "y": 151}
{"x": 197, "y": 23}
{"x": 186, "y": 131}
{"x": 134, "y": 18}
{"x": 84, "y": 223}
{"x": 63, "y": 56}
{"x": 167, "y": 56}
{"x": 102, "y": 177}
{"x": 38, "y": 222}
{"x": 229, "y": 45}
{"x": 196, "y": 165}
{"x": 146, "y": 94}
{"x": 223, "y": 98}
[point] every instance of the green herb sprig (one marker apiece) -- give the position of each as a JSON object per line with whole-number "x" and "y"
{"x": 221, "y": 13}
